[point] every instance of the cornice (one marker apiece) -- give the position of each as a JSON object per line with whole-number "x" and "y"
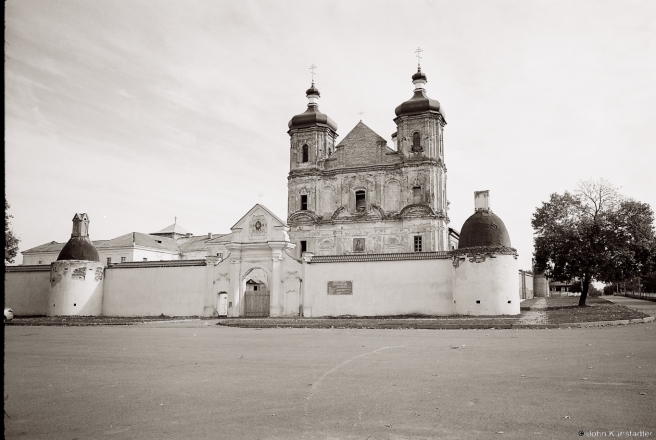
{"x": 367, "y": 168}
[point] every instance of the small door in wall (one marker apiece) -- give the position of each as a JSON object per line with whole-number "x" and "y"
{"x": 223, "y": 304}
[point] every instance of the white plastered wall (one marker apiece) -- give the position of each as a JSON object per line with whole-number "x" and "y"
{"x": 152, "y": 291}
{"x": 381, "y": 288}
{"x": 26, "y": 291}
{"x": 76, "y": 288}
{"x": 492, "y": 282}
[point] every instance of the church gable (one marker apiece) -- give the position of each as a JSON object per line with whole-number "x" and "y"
{"x": 363, "y": 146}
{"x": 259, "y": 225}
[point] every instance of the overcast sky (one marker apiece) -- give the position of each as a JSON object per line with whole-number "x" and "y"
{"x": 139, "y": 111}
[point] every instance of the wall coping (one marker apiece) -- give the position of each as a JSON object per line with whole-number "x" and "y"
{"x": 28, "y": 268}
{"x": 149, "y": 264}
{"x": 348, "y": 258}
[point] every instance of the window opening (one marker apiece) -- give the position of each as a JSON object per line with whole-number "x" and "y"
{"x": 360, "y": 201}
{"x": 123, "y": 259}
{"x": 418, "y": 243}
{"x": 416, "y": 142}
{"x": 416, "y": 194}
{"x": 304, "y": 202}
{"x": 306, "y": 153}
{"x": 109, "y": 260}
{"x": 303, "y": 246}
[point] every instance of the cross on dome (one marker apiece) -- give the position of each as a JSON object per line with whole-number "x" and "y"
{"x": 418, "y": 52}
{"x": 312, "y": 67}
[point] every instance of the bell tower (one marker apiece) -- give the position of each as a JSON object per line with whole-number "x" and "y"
{"x": 420, "y": 126}
{"x": 312, "y": 140}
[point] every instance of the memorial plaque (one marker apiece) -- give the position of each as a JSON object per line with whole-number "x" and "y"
{"x": 340, "y": 287}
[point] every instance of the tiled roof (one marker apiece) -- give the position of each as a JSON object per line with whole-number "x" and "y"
{"x": 142, "y": 264}
{"x": 381, "y": 257}
{"x": 174, "y": 228}
{"x": 28, "y": 268}
{"x": 140, "y": 239}
{"x": 53, "y": 246}
{"x": 223, "y": 238}
{"x": 197, "y": 243}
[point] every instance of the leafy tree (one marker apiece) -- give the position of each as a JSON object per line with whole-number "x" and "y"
{"x": 594, "y": 234}
{"x": 11, "y": 242}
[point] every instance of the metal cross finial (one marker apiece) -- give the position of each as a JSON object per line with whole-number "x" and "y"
{"x": 418, "y": 52}
{"x": 175, "y": 220}
{"x": 312, "y": 67}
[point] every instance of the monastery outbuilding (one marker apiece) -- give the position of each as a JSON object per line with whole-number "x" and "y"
{"x": 367, "y": 234}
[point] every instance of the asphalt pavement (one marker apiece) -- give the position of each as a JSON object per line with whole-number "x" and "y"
{"x": 197, "y": 380}
{"x": 641, "y": 305}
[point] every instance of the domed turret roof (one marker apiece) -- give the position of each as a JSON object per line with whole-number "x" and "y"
{"x": 483, "y": 228}
{"x": 420, "y": 102}
{"x": 79, "y": 247}
{"x": 312, "y": 116}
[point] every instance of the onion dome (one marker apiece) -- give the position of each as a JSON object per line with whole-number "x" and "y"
{"x": 79, "y": 247}
{"x": 419, "y": 102}
{"x": 483, "y": 228}
{"x": 312, "y": 116}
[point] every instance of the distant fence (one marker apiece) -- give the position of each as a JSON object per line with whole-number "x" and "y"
{"x": 640, "y": 295}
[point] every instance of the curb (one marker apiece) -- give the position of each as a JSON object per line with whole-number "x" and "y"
{"x": 607, "y": 323}
{"x": 392, "y": 326}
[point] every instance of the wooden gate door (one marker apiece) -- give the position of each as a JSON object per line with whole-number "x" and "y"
{"x": 256, "y": 300}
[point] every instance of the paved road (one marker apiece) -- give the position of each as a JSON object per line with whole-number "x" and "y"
{"x": 195, "y": 381}
{"x": 641, "y": 305}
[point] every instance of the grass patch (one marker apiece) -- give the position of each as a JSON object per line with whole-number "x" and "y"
{"x": 566, "y": 310}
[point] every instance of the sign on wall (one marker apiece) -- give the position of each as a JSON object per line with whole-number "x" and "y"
{"x": 340, "y": 287}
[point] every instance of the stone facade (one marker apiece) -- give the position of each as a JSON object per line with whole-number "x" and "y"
{"x": 362, "y": 195}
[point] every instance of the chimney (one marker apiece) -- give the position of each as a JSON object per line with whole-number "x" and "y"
{"x": 209, "y": 235}
{"x": 482, "y": 200}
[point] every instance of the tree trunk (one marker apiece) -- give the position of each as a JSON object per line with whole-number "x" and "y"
{"x": 585, "y": 284}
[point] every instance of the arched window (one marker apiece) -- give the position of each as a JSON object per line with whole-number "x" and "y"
{"x": 360, "y": 201}
{"x": 306, "y": 153}
{"x": 416, "y": 142}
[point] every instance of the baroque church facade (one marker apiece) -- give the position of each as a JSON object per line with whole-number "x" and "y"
{"x": 360, "y": 195}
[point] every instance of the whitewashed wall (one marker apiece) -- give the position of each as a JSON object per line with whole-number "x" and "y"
{"x": 26, "y": 289}
{"x": 76, "y": 288}
{"x": 151, "y": 291}
{"x": 44, "y": 258}
{"x": 492, "y": 282}
{"x": 380, "y": 288}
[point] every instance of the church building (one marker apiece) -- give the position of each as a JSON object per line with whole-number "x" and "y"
{"x": 361, "y": 196}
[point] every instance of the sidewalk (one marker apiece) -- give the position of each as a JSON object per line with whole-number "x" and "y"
{"x": 641, "y": 305}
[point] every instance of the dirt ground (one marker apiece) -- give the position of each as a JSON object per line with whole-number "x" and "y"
{"x": 197, "y": 380}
